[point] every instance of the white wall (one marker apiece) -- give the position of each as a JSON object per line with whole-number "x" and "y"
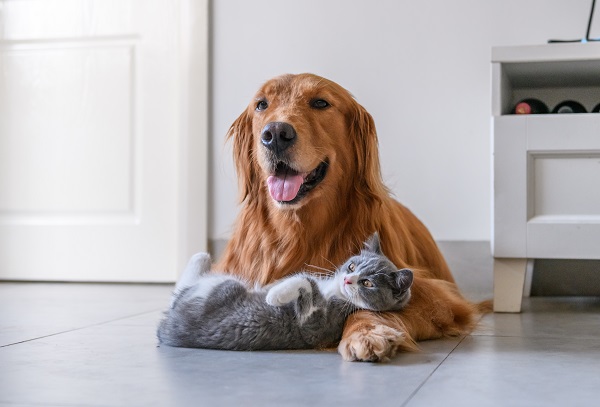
{"x": 421, "y": 68}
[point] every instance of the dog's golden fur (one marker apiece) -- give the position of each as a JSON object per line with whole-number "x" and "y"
{"x": 273, "y": 239}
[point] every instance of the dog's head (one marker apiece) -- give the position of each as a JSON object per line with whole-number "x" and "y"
{"x": 303, "y": 137}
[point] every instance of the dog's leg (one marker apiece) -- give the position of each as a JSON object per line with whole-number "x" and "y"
{"x": 436, "y": 309}
{"x": 371, "y": 337}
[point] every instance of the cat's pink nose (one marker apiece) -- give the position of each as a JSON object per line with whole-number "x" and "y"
{"x": 347, "y": 281}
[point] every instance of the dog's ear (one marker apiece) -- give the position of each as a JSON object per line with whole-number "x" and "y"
{"x": 244, "y": 155}
{"x": 367, "y": 159}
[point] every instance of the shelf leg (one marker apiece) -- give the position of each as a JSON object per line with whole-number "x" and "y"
{"x": 509, "y": 278}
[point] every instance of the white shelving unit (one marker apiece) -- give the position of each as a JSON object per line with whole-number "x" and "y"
{"x": 546, "y": 167}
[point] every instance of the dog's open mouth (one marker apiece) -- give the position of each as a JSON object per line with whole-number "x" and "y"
{"x": 288, "y": 186}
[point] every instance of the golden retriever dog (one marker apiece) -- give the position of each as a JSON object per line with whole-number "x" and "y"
{"x": 306, "y": 155}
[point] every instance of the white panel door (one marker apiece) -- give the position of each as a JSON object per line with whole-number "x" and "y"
{"x": 99, "y": 113}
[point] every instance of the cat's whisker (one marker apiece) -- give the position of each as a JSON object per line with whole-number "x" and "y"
{"x": 330, "y": 262}
{"x": 348, "y": 307}
{"x": 352, "y": 307}
{"x": 356, "y": 246}
{"x": 326, "y": 271}
{"x": 315, "y": 267}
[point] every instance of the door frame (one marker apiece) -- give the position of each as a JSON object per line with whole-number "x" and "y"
{"x": 194, "y": 111}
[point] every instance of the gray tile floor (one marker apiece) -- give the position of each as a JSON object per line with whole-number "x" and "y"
{"x": 94, "y": 345}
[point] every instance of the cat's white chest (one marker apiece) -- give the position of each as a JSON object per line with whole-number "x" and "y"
{"x": 331, "y": 287}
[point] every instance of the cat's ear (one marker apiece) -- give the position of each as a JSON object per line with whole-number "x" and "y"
{"x": 373, "y": 244}
{"x": 404, "y": 279}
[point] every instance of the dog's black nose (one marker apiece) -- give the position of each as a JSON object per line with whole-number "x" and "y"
{"x": 277, "y": 136}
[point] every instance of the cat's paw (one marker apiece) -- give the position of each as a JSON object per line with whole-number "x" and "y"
{"x": 287, "y": 291}
{"x": 373, "y": 344}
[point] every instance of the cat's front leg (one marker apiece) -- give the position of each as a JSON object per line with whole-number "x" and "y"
{"x": 288, "y": 290}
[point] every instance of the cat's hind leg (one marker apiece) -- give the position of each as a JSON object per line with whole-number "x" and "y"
{"x": 198, "y": 265}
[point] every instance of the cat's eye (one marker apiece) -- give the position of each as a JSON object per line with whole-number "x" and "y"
{"x": 366, "y": 283}
{"x": 351, "y": 267}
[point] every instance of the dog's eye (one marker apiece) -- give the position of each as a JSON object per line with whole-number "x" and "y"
{"x": 262, "y": 105}
{"x": 319, "y": 104}
{"x": 351, "y": 267}
{"x": 366, "y": 283}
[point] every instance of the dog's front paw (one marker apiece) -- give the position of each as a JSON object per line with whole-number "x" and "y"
{"x": 375, "y": 344}
{"x": 287, "y": 291}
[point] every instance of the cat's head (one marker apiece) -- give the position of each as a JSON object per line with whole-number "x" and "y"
{"x": 371, "y": 281}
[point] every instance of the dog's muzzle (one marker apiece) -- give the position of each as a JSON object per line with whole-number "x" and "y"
{"x": 277, "y": 137}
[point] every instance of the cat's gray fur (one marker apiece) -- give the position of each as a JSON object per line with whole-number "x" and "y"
{"x": 219, "y": 311}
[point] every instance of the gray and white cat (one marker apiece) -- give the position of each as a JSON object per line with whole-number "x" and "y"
{"x": 219, "y": 311}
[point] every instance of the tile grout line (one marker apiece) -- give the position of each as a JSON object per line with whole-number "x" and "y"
{"x": 78, "y": 329}
{"x": 414, "y": 393}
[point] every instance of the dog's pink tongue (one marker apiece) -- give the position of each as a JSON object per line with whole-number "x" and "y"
{"x": 284, "y": 188}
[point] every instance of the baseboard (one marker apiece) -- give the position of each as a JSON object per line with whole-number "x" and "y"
{"x": 216, "y": 247}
